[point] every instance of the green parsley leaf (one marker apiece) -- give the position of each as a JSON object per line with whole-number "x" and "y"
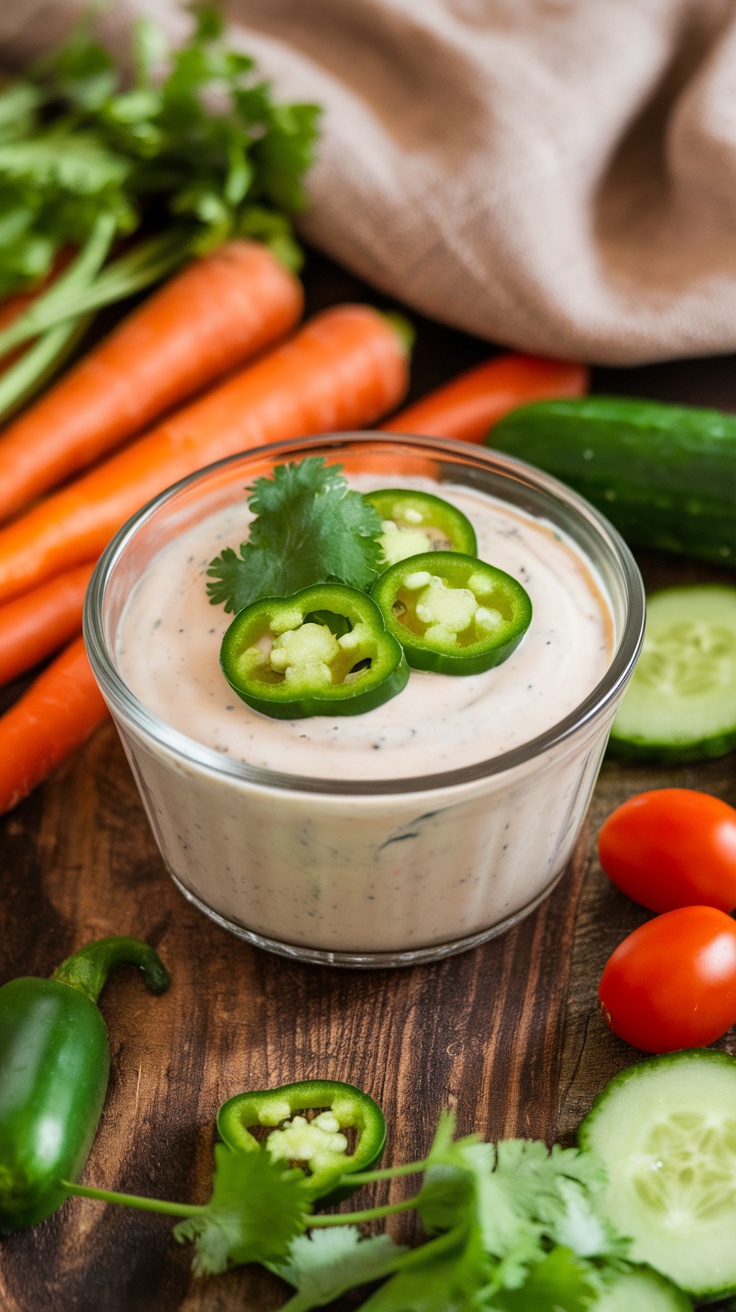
{"x": 257, "y": 1208}
{"x": 330, "y": 1262}
{"x": 309, "y": 528}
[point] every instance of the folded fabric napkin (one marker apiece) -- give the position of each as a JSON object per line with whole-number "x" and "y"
{"x": 557, "y": 176}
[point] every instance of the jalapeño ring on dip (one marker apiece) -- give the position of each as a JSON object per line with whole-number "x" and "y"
{"x": 432, "y": 821}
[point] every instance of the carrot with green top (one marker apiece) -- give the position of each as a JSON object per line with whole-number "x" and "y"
{"x": 31, "y": 365}
{"x": 467, "y": 406}
{"x": 342, "y": 370}
{"x": 40, "y": 622}
{"x": 52, "y": 718}
{"x": 219, "y": 312}
{"x": 13, "y": 306}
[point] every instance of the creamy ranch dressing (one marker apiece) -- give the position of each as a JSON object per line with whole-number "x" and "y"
{"x": 389, "y": 859}
{"x": 438, "y": 722}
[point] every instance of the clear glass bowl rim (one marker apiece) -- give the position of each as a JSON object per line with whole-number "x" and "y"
{"x": 126, "y": 706}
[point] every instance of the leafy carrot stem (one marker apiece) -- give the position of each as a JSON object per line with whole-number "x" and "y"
{"x": 78, "y": 276}
{"x": 149, "y": 262}
{"x": 27, "y": 374}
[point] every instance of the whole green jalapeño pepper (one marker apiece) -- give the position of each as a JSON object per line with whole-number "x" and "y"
{"x": 323, "y": 651}
{"x": 54, "y": 1065}
{"x": 310, "y": 1124}
{"x": 453, "y": 614}
{"x": 416, "y": 522}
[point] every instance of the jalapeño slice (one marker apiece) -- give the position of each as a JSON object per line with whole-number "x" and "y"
{"x": 453, "y": 614}
{"x": 323, "y": 651}
{"x": 327, "y": 1129}
{"x": 417, "y": 522}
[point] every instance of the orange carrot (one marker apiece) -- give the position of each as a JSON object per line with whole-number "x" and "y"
{"x": 342, "y": 370}
{"x": 470, "y": 404}
{"x": 41, "y": 621}
{"x": 208, "y": 319}
{"x": 53, "y": 717}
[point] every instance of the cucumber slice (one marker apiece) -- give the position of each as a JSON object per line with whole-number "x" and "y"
{"x": 665, "y": 1131}
{"x": 681, "y": 702}
{"x": 642, "y": 1290}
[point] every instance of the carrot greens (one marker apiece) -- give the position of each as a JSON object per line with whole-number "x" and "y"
{"x": 194, "y": 150}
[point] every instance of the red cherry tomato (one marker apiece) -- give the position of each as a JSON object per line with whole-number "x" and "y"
{"x": 672, "y": 983}
{"x": 673, "y": 847}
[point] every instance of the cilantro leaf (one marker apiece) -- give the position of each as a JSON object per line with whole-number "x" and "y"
{"x": 560, "y": 1281}
{"x": 561, "y": 1186}
{"x": 450, "y": 1273}
{"x": 257, "y": 1208}
{"x": 515, "y": 1202}
{"x": 330, "y": 1262}
{"x": 309, "y": 528}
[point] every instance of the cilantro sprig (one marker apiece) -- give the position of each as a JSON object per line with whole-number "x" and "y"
{"x": 510, "y": 1226}
{"x": 309, "y": 528}
{"x": 256, "y": 1209}
{"x": 195, "y": 150}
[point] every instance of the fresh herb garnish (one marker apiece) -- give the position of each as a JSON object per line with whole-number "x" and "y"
{"x": 196, "y": 149}
{"x": 328, "y": 1263}
{"x": 510, "y": 1226}
{"x": 255, "y": 1211}
{"x": 309, "y": 528}
{"x": 257, "y": 1208}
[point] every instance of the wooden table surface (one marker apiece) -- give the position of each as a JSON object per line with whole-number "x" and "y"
{"x": 508, "y": 1034}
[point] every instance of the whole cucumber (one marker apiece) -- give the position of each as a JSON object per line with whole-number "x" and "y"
{"x": 664, "y": 475}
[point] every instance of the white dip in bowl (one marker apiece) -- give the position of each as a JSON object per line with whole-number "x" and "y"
{"x": 412, "y": 831}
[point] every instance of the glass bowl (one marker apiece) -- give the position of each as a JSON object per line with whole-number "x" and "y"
{"x": 341, "y": 854}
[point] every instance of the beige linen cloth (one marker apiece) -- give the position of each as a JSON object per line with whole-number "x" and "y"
{"x": 558, "y": 176}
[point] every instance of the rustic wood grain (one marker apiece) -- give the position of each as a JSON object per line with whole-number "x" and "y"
{"x": 508, "y": 1035}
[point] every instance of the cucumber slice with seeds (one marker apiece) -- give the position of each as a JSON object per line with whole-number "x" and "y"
{"x": 665, "y": 1131}
{"x": 681, "y": 702}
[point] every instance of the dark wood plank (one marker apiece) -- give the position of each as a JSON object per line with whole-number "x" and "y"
{"x": 467, "y": 1033}
{"x": 508, "y": 1035}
